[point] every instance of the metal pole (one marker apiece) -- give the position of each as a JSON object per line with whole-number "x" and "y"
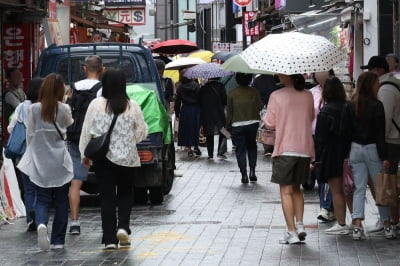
{"x": 244, "y": 37}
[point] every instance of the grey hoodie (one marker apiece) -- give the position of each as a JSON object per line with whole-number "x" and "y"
{"x": 389, "y": 95}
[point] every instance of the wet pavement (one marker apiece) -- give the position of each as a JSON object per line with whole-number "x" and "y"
{"x": 209, "y": 218}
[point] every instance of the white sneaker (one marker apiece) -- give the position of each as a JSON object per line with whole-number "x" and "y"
{"x": 43, "y": 239}
{"x": 323, "y": 215}
{"x": 290, "y": 238}
{"x": 58, "y": 246}
{"x": 358, "y": 233}
{"x": 301, "y": 233}
{"x": 123, "y": 238}
{"x": 377, "y": 228}
{"x": 390, "y": 232}
{"x": 111, "y": 246}
{"x": 338, "y": 229}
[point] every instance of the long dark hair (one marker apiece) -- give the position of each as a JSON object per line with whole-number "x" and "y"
{"x": 299, "y": 83}
{"x": 114, "y": 90}
{"x": 333, "y": 90}
{"x": 50, "y": 93}
{"x": 364, "y": 91}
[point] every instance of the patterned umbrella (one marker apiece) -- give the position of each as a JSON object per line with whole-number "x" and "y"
{"x": 293, "y": 53}
{"x": 206, "y": 71}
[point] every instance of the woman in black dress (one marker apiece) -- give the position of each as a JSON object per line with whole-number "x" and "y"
{"x": 187, "y": 111}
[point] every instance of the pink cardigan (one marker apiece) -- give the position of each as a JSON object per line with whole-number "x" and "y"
{"x": 291, "y": 113}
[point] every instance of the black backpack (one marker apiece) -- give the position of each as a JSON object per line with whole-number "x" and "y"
{"x": 79, "y": 102}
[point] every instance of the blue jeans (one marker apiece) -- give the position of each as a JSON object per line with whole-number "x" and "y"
{"x": 45, "y": 197}
{"x": 80, "y": 171}
{"x": 365, "y": 162}
{"x": 244, "y": 138}
{"x": 29, "y": 197}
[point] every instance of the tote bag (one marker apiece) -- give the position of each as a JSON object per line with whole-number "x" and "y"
{"x": 16, "y": 144}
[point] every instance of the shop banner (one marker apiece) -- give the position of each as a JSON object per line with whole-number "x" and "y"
{"x": 16, "y": 49}
{"x": 248, "y": 17}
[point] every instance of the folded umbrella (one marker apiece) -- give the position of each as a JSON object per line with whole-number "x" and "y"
{"x": 206, "y": 71}
{"x": 293, "y": 53}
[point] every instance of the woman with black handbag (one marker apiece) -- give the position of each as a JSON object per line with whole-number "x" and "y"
{"x": 122, "y": 118}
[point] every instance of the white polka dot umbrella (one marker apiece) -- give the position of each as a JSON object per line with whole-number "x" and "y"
{"x": 293, "y": 53}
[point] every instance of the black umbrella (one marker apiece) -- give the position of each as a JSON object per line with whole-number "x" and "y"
{"x": 223, "y": 56}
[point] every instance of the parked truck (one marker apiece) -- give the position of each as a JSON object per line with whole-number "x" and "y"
{"x": 154, "y": 178}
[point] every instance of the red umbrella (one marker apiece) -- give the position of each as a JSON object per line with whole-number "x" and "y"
{"x": 175, "y": 47}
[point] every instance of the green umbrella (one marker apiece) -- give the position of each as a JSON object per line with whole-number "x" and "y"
{"x": 237, "y": 64}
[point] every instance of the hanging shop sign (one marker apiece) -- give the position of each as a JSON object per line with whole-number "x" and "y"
{"x": 221, "y": 47}
{"x": 242, "y": 3}
{"x": 133, "y": 16}
{"x": 125, "y": 2}
{"x": 248, "y": 17}
{"x": 16, "y": 47}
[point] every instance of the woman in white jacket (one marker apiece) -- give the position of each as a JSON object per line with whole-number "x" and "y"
{"x": 115, "y": 172}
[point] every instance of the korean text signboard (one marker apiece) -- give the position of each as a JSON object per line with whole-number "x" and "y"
{"x": 16, "y": 49}
{"x": 247, "y": 17}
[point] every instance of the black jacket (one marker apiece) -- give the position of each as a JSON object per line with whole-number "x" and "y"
{"x": 329, "y": 140}
{"x": 369, "y": 128}
{"x": 186, "y": 94}
{"x": 212, "y": 104}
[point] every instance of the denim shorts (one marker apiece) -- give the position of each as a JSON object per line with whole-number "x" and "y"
{"x": 80, "y": 171}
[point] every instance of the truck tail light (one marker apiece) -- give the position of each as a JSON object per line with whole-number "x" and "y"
{"x": 145, "y": 156}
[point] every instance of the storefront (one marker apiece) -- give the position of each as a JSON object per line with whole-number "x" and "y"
{"x": 19, "y": 42}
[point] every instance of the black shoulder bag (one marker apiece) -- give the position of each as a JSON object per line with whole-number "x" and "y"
{"x": 97, "y": 148}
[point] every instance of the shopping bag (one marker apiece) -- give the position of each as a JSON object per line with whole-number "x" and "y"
{"x": 386, "y": 190}
{"x": 348, "y": 181}
{"x": 266, "y": 136}
{"x": 11, "y": 205}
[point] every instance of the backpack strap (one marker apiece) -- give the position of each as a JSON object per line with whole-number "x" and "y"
{"x": 397, "y": 87}
{"x": 96, "y": 87}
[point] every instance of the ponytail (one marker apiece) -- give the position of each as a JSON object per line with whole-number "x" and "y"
{"x": 299, "y": 82}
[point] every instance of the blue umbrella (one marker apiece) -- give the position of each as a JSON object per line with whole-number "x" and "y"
{"x": 206, "y": 71}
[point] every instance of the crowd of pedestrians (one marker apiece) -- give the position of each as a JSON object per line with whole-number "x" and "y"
{"x": 315, "y": 131}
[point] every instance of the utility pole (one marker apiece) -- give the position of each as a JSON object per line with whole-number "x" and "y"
{"x": 244, "y": 37}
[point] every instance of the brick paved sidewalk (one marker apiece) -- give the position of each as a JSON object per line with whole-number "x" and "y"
{"x": 209, "y": 218}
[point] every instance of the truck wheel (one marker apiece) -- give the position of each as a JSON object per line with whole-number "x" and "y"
{"x": 140, "y": 195}
{"x": 168, "y": 169}
{"x": 156, "y": 195}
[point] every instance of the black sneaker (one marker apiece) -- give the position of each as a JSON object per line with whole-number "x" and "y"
{"x": 245, "y": 179}
{"x": 197, "y": 151}
{"x": 75, "y": 230}
{"x": 31, "y": 226}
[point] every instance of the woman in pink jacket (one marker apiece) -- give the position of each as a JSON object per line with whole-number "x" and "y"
{"x": 290, "y": 112}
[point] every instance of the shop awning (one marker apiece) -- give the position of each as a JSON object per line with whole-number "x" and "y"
{"x": 96, "y": 20}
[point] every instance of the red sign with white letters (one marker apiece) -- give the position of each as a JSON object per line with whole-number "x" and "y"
{"x": 247, "y": 17}
{"x": 16, "y": 49}
{"x": 242, "y": 2}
